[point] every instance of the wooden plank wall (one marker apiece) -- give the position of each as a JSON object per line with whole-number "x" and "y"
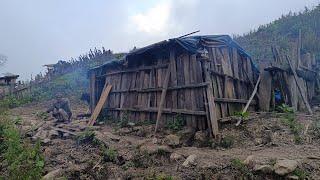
{"x": 136, "y": 91}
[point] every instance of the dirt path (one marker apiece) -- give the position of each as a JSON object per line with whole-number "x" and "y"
{"x": 85, "y": 161}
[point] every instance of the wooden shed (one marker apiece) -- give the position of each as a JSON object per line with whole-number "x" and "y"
{"x": 293, "y": 78}
{"x": 199, "y": 79}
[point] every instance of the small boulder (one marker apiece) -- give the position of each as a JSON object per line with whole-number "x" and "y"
{"x": 155, "y": 141}
{"x": 265, "y": 169}
{"x": 286, "y": 166}
{"x": 190, "y": 161}
{"x": 293, "y": 177}
{"x": 258, "y": 141}
{"x": 200, "y": 136}
{"x": 187, "y": 136}
{"x": 153, "y": 149}
{"x": 250, "y": 161}
{"x": 66, "y": 135}
{"x": 53, "y": 174}
{"x": 176, "y": 157}
{"x": 172, "y": 140}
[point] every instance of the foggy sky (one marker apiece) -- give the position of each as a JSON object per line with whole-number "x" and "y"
{"x": 37, "y": 32}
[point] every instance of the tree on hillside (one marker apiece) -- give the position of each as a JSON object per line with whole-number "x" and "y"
{"x": 284, "y": 32}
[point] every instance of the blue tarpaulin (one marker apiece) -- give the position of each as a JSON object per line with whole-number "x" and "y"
{"x": 194, "y": 45}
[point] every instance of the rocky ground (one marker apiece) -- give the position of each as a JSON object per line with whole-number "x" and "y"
{"x": 265, "y": 146}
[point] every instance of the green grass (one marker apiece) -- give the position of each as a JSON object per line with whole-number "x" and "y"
{"x": 19, "y": 159}
{"x": 242, "y": 168}
{"x": 110, "y": 155}
{"x": 86, "y": 136}
{"x": 176, "y": 124}
{"x": 227, "y": 142}
{"x": 244, "y": 115}
{"x": 290, "y": 120}
{"x": 300, "y": 173}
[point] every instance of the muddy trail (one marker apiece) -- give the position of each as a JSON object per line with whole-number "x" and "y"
{"x": 266, "y": 146}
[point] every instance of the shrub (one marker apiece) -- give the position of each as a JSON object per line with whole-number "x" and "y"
{"x": 86, "y": 136}
{"x": 176, "y": 124}
{"x": 227, "y": 142}
{"x": 110, "y": 155}
{"x": 124, "y": 120}
{"x": 283, "y": 108}
{"x": 244, "y": 115}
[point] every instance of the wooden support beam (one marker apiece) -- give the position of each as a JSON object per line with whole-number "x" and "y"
{"x": 135, "y": 70}
{"x": 92, "y": 91}
{"x": 250, "y": 99}
{"x": 164, "y": 90}
{"x": 164, "y": 111}
{"x": 211, "y": 105}
{"x": 252, "y": 95}
{"x": 147, "y": 90}
{"x": 304, "y": 98}
{"x": 229, "y": 100}
{"x": 98, "y": 108}
{"x": 213, "y": 72}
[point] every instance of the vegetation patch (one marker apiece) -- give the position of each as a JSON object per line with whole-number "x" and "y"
{"x": 20, "y": 159}
{"x": 176, "y": 124}
{"x": 290, "y": 120}
{"x": 87, "y": 136}
{"x": 242, "y": 168}
{"x": 110, "y": 155}
{"x": 300, "y": 173}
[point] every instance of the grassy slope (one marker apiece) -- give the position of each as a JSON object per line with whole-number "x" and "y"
{"x": 283, "y": 32}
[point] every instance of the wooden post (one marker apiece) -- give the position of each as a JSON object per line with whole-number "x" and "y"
{"x": 92, "y": 91}
{"x": 299, "y": 50}
{"x": 305, "y": 100}
{"x": 212, "y": 107}
{"x": 164, "y": 89}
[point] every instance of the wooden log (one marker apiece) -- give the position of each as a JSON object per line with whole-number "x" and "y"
{"x": 305, "y": 100}
{"x": 100, "y": 104}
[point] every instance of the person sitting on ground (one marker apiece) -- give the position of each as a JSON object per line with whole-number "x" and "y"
{"x": 61, "y": 109}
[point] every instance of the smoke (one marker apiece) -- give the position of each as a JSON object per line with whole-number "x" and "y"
{"x": 3, "y": 59}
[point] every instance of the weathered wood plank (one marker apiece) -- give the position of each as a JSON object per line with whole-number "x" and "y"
{"x": 164, "y": 92}
{"x": 209, "y": 91}
{"x": 100, "y": 104}
{"x": 305, "y": 100}
{"x": 159, "y": 66}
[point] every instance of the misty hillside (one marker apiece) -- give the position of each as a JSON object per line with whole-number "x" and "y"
{"x": 284, "y": 32}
